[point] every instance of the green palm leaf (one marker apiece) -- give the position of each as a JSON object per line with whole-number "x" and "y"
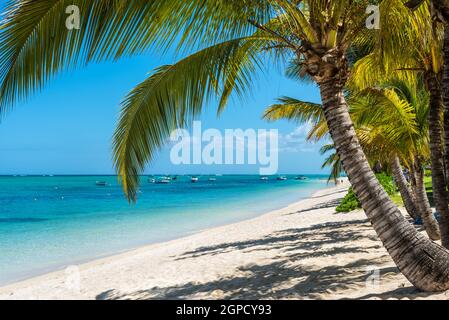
{"x": 293, "y": 109}
{"x": 35, "y": 43}
{"x": 173, "y": 96}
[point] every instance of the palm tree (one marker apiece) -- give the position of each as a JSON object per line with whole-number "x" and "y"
{"x": 415, "y": 54}
{"x": 389, "y": 120}
{"x": 231, "y": 40}
{"x": 392, "y": 122}
{"x": 440, "y": 12}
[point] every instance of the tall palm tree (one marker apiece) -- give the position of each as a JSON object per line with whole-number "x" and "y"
{"x": 390, "y": 120}
{"x": 415, "y": 54}
{"x": 440, "y": 13}
{"x": 231, "y": 41}
{"x": 393, "y": 123}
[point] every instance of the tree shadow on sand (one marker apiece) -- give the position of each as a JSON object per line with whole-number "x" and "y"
{"x": 285, "y": 276}
{"x": 309, "y": 238}
{"x": 290, "y": 282}
{"x": 324, "y": 205}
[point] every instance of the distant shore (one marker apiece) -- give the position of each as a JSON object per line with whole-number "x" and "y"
{"x": 303, "y": 251}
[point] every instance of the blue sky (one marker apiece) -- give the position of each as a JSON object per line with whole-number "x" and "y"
{"x": 67, "y": 128}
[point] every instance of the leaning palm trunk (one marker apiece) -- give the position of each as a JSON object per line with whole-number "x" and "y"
{"x": 413, "y": 185}
{"x": 430, "y": 223}
{"x": 440, "y": 194}
{"x": 423, "y": 262}
{"x": 416, "y": 202}
{"x": 405, "y": 191}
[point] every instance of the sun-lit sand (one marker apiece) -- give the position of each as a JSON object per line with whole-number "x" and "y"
{"x": 304, "y": 251}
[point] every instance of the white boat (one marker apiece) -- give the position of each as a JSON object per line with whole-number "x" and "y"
{"x": 194, "y": 179}
{"x": 264, "y": 178}
{"x": 101, "y": 183}
{"x": 151, "y": 180}
{"x": 282, "y": 178}
{"x": 163, "y": 181}
{"x": 212, "y": 179}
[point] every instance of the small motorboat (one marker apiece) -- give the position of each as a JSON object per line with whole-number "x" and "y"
{"x": 282, "y": 178}
{"x": 152, "y": 180}
{"x": 101, "y": 183}
{"x": 301, "y": 178}
{"x": 163, "y": 181}
{"x": 264, "y": 178}
{"x": 212, "y": 179}
{"x": 194, "y": 179}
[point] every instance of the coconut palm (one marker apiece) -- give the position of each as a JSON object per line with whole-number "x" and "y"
{"x": 389, "y": 120}
{"x": 440, "y": 13}
{"x": 230, "y": 40}
{"x": 394, "y": 123}
{"x": 414, "y": 54}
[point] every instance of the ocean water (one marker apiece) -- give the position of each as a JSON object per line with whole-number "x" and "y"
{"x": 48, "y": 223}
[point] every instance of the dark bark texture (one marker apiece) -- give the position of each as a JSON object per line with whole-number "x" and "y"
{"x": 404, "y": 190}
{"x": 440, "y": 193}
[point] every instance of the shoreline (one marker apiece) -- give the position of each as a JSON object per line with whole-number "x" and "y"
{"x": 302, "y": 251}
{"x": 58, "y": 266}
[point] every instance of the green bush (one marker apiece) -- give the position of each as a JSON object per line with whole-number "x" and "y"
{"x": 350, "y": 201}
{"x": 387, "y": 182}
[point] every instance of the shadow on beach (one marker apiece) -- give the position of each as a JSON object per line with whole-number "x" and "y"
{"x": 285, "y": 277}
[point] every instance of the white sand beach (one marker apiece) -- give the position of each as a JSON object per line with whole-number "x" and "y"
{"x": 304, "y": 251}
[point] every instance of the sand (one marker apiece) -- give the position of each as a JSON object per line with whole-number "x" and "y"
{"x": 304, "y": 251}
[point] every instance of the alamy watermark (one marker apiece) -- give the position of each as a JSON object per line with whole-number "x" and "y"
{"x": 73, "y": 279}
{"x": 373, "y": 20}
{"x": 234, "y": 147}
{"x": 73, "y": 21}
{"x": 373, "y": 279}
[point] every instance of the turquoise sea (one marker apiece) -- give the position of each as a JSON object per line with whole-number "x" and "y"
{"x": 47, "y": 223}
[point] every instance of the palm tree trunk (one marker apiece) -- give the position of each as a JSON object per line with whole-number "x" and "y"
{"x": 445, "y": 92}
{"x": 416, "y": 203}
{"x": 428, "y": 217}
{"x": 413, "y": 185}
{"x": 423, "y": 262}
{"x": 405, "y": 191}
{"x": 440, "y": 194}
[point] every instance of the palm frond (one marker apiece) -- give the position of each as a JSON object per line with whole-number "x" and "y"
{"x": 173, "y": 96}
{"x": 333, "y": 161}
{"x": 35, "y": 44}
{"x": 293, "y": 109}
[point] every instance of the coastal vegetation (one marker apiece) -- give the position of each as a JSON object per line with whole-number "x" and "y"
{"x": 384, "y": 91}
{"x": 350, "y": 201}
